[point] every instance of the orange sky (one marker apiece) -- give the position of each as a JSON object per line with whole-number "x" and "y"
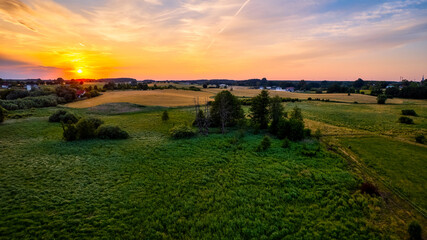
{"x": 235, "y": 39}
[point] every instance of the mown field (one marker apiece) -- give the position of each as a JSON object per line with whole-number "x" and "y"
{"x": 166, "y": 98}
{"x": 153, "y": 187}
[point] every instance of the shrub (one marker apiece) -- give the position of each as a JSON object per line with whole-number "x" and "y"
{"x": 292, "y": 129}
{"x": 69, "y": 94}
{"x": 420, "y": 139}
{"x": 307, "y": 133}
{"x": 86, "y": 127}
{"x": 70, "y": 132}
{"x": 111, "y": 132}
{"x": 2, "y": 114}
{"x": 406, "y": 120}
{"x": 409, "y": 112}
{"x": 286, "y": 143}
{"x": 414, "y": 230}
{"x": 369, "y": 188}
{"x": 264, "y": 145}
{"x": 317, "y": 134}
{"x": 165, "y": 116}
{"x": 63, "y": 116}
{"x": 181, "y": 131}
{"x": 381, "y": 99}
{"x": 69, "y": 118}
{"x": 16, "y": 94}
{"x": 56, "y": 117}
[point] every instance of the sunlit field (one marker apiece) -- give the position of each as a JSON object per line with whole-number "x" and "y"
{"x": 165, "y": 98}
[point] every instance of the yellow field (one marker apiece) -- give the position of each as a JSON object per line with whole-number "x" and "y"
{"x": 175, "y": 98}
{"x": 340, "y": 97}
{"x": 165, "y": 98}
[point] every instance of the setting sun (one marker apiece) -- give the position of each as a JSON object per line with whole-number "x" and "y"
{"x": 79, "y": 71}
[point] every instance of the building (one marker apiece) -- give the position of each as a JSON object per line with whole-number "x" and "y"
{"x": 80, "y": 93}
{"x": 5, "y": 86}
{"x": 223, "y": 86}
{"x": 32, "y": 87}
{"x": 290, "y": 89}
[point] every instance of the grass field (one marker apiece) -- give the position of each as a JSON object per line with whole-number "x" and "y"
{"x": 401, "y": 165}
{"x": 152, "y": 187}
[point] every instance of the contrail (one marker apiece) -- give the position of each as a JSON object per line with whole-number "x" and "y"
{"x": 229, "y": 22}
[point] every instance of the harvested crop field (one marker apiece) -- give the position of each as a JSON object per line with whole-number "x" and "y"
{"x": 165, "y": 98}
{"x": 338, "y": 97}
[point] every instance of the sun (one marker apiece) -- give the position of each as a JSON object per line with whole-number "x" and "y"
{"x": 79, "y": 71}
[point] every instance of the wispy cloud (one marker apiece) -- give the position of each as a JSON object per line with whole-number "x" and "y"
{"x": 167, "y": 38}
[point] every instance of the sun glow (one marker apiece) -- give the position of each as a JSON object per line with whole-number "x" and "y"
{"x": 79, "y": 71}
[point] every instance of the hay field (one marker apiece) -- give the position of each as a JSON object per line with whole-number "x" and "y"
{"x": 164, "y": 98}
{"x": 340, "y": 97}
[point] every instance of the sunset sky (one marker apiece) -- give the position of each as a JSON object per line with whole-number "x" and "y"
{"x": 234, "y": 39}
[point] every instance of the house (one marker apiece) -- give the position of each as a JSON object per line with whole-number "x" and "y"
{"x": 269, "y": 88}
{"x": 290, "y": 89}
{"x": 5, "y": 86}
{"x": 32, "y": 87}
{"x": 223, "y": 86}
{"x": 390, "y": 86}
{"x": 80, "y": 93}
{"x": 261, "y": 88}
{"x": 279, "y": 89}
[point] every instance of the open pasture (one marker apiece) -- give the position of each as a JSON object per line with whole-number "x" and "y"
{"x": 165, "y": 98}
{"x": 153, "y": 187}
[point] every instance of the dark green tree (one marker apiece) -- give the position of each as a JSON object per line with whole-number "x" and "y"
{"x": 276, "y": 112}
{"x": 381, "y": 99}
{"x": 296, "y": 114}
{"x": 415, "y": 231}
{"x": 226, "y": 110}
{"x": 259, "y": 110}
{"x": 165, "y": 116}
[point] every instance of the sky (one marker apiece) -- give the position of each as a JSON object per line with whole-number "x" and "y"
{"x": 214, "y": 39}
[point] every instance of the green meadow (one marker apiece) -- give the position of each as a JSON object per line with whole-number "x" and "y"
{"x": 153, "y": 187}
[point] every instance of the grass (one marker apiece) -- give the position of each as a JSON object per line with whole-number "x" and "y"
{"x": 401, "y": 165}
{"x": 152, "y": 187}
{"x": 370, "y": 118}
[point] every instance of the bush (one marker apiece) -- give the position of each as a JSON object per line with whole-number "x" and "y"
{"x": 406, "y": 120}
{"x": 165, "y": 116}
{"x": 86, "y": 127}
{"x": 56, "y": 117}
{"x": 317, "y": 134}
{"x": 264, "y": 145}
{"x": 69, "y": 94}
{"x": 70, "y": 132}
{"x": 420, "y": 139}
{"x": 415, "y": 231}
{"x": 286, "y": 143}
{"x": 2, "y": 114}
{"x": 69, "y": 118}
{"x": 292, "y": 129}
{"x": 111, "y": 132}
{"x": 30, "y": 102}
{"x": 369, "y": 188}
{"x": 307, "y": 133}
{"x": 409, "y": 112}
{"x": 181, "y": 131}
{"x": 381, "y": 99}
{"x": 16, "y": 94}
{"x": 63, "y": 116}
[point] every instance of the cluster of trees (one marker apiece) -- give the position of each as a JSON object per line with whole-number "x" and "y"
{"x": 76, "y": 128}
{"x": 144, "y": 87}
{"x": 266, "y": 113}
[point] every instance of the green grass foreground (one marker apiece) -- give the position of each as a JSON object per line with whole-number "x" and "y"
{"x": 153, "y": 187}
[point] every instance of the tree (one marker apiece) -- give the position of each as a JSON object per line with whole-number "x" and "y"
{"x": 359, "y": 83}
{"x": 205, "y": 85}
{"x": 165, "y": 116}
{"x": 381, "y": 99}
{"x": 202, "y": 120}
{"x": 226, "y": 110}
{"x": 259, "y": 109}
{"x": 296, "y": 114}
{"x": 276, "y": 112}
